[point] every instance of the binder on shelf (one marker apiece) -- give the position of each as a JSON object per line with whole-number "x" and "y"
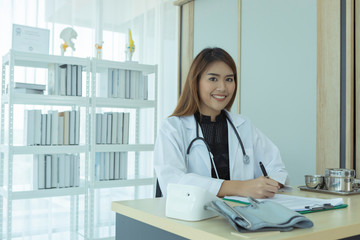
{"x": 121, "y": 86}
{"x": 62, "y": 79}
{"x": 110, "y": 83}
{"x": 54, "y": 127}
{"x": 98, "y": 128}
{"x": 97, "y": 166}
{"x": 79, "y": 81}
{"x": 115, "y": 83}
{"x": 43, "y": 129}
{"x": 109, "y": 126}
{"x": 66, "y": 127}
{"x": 62, "y": 169}
{"x": 104, "y": 122}
{"x": 120, "y": 124}
{"x": 77, "y": 127}
{"x": 126, "y": 123}
{"x": 48, "y": 170}
{"x": 127, "y": 84}
{"x": 72, "y": 127}
{"x": 107, "y": 167}
{"x": 72, "y": 170}
{"x": 60, "y": 129}
{"x": 102, "y": 166}
{"x": 28, "y": 91}
{"x": 33, "y": 86}
{"x": 48, "y": 128}
{"x": 54, "y": 171}
{"x": 67, "y": 170}
{"x": 73, "y": 80}
{"x": 37, "y": 127}
{"x": 114, "y": 128}
{"x": 117, "y": 165}
{"x": 123, "y": 165}
{"x": 68, "y": 79}
{"x": 112, "y": 166}
{"x": 28, "y": 127}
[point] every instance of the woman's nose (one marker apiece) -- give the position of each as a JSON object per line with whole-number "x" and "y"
{"x": 221, "y": 85}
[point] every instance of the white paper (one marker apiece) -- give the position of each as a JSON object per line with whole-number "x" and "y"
{"x": 295, "y": 203}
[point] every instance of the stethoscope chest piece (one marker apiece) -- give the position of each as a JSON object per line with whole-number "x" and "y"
{"x": 246, "y": 159}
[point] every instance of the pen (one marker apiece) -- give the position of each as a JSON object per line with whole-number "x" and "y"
{"x": 263, "y": 169}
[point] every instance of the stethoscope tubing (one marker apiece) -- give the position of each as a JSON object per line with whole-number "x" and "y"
{"x": 246, "y": 158}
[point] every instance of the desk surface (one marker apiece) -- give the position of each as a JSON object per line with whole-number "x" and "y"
{"x": 333, "y": 224}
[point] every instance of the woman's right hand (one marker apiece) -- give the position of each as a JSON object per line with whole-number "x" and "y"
{"x": 261, "y": 187}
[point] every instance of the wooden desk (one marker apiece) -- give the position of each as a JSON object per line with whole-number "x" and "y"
{"x": 139, "y": 219}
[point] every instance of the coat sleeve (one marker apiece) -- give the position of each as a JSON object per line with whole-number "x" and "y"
{"x": 268, "y": 153}
{"x": 169, "y": 159}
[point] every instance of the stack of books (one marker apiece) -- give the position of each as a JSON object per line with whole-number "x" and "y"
{"x": 111, "y": 166}
{"x": 52, "y": 128}
{"x": 65, "y": 80}
{"x": 124, "y": 84}
{"x": 56, "y": 171}
{"x": 112, "y": 128}
{"x": 30, "y": 88}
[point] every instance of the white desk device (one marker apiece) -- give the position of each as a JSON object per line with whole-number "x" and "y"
{"x": 187, "y": 202}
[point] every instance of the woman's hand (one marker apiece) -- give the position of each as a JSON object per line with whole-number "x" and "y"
{"x": 260, "y": 187}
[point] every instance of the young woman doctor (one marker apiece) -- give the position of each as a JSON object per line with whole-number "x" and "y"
{"x": 204, "y": 144}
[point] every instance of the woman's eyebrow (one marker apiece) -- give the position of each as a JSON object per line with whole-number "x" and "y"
{"x": 216, "y": 74}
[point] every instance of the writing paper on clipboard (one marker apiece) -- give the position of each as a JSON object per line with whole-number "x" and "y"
{"x": 294, "y": 203}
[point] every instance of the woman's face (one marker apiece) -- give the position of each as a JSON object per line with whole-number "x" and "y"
{"x": 216, "y": 87}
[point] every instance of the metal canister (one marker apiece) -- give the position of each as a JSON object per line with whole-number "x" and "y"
{"x": 339, "y": 179}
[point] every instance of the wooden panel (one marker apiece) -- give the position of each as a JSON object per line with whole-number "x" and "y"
{"x": 357, "y": 87}
{"x": 349, "y": 149}
{"x": 186, "y": 42}
{"x": 328, "y": 85}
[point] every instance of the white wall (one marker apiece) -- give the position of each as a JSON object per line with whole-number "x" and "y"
{"x": 278, "y": 78}
{"x": 215, "y": 25}
{"x": 278, "y": 69}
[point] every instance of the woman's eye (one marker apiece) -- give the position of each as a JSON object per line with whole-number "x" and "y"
{"x": 229, "y": 79}
{"x": 213, "y": 79}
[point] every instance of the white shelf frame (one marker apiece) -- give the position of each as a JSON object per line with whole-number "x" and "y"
{"x": 10, "y": 98}
{"x": 90, "y": 102}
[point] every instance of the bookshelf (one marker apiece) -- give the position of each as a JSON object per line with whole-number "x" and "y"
{"x": 90, "y": 103}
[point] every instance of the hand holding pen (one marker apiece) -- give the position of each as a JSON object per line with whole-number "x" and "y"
{"x": 263, "y": 170}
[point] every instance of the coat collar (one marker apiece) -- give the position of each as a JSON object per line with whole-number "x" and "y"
{"x": 189, "y": 121}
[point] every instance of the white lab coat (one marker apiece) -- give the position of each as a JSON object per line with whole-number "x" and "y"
{"x": 175, "y": 135}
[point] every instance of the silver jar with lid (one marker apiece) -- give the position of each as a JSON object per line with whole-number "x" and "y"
{"x": 339, "y": 179}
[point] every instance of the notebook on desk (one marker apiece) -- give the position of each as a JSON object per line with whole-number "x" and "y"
{"x": 299, "y": 204}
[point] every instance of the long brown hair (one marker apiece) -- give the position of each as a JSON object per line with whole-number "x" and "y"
{"x": 189, "y": 101}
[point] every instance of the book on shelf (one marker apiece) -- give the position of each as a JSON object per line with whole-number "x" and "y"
{"x": 62, "y": 169}
{"x": 73, "y": 80}
{"x": 37, "y": 127}
{"x": 123, "y": 165}
{"x": 43, "y": 128}
{"x": 98, "y": 128}
{"x": 28, "y": 91}
{"x": 104, "y": 122}
{"x": 54, "y": 126}
{"x": 33, "y": 86}
{"x": 120, "y": 126}
{"x": 97, "y": 166}
{"x": 48, "y": 128}
{"x": 102, "y": 166}
{"x": 39, "y": 171}
{"x": 121, "y": 88}
{"x": 126, "y": 123}
{"x": 67, "y": 170}
{"x": 109, "y": 126}
{"x": 54, "y": 171}
{"x": 72, "y": 124}
{"x": 29, "y": 127}
{"x": 48, "y": 170}
{"x": 62, "y": 80}
{"x": 72, "y": 171}
{"x": 66, "y": 127}
{"x": 79, "y": 81}
{"x": 107, "y": 166}
{"x": 115, "y": 83}
{"x": 110, "y": 82}
{"x": 60, "y": 129}
{"x": 114, "y": 127}
{"x": 112, "y": 166}
{"x": 127, "y": 84}
{"x": 77, "y": 127}
{"x": 117, "y": 165}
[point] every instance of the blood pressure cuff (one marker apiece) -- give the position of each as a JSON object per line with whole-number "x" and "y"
{"x": 260, "y": 216}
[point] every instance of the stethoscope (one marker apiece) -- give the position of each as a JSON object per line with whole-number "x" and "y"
{"x": 246, "y": 158}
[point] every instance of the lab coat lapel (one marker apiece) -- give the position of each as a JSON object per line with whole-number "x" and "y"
{"x": 190, "y": 125}
{"x": 235, "y": 152}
